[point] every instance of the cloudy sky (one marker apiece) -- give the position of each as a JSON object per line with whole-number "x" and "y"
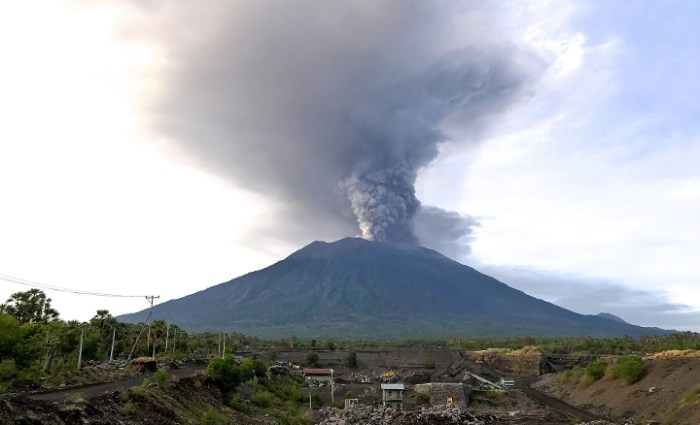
{"x": 159, "y": 148}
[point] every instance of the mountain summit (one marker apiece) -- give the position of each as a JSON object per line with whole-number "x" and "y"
{"x": 355, "y": 287}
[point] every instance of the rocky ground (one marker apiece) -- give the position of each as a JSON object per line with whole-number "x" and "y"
{"x": 365, "y": 415}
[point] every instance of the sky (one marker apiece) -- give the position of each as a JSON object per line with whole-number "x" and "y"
{"x": 159, "y": 148}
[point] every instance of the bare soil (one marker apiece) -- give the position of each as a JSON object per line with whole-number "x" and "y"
{"x": 657, "y": 396}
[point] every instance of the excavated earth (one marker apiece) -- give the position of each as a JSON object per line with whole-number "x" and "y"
{"x": 667, "y": 393}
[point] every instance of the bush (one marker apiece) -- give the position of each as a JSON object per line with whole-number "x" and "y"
{"x": 225, "y": 373}
{"x": 8, "y": 370}
{"x": 161, "y": 376}
{"x": 596, "y": 370}
{"x": 251, "y": 368}
{"x": 264, "y": 399}
{"x": 429, "y": 363}
{"x": 311, "y": 358}
{"x": 351, "y": 360}
{"x": 348, "y": 395}
{"x": 237, "y": 403}
{"x": 629, "y": 368}
{"x": 210, "y": 417}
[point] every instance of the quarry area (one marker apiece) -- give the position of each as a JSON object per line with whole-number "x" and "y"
{"x": 396, "y": 386}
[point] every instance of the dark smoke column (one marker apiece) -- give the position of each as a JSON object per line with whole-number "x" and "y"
{"x": 384, "y": 202}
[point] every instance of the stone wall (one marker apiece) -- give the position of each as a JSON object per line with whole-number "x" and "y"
{"x": 440, "y": 392}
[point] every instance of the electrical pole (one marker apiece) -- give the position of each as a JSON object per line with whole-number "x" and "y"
{"x": 223, "y": 353}
{"x": 80, "y": 350}
{"x": 111, "y": 352}
{"x": 167, "y": 335}
{"x": 174, "y": 339}
{"x": 150, "y": 299}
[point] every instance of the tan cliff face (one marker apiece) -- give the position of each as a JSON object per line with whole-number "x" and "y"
{"x": 524, "y": 362}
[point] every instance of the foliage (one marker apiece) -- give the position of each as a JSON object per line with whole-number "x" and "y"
{"x": 251, "y": 368}
{"x": 161, "y": 376}
{"x": 32, "y": 306}
{"x": 210, "y": 417}
{"x": 312, "y": 358}
{"x": 629, "y": 368}
{"x": 351, "y": 359}
{"x": 237, "y": 403}
{"x": 225, "y": 372}
{"x": 348, "y": 395}
{"x": 264, "y": 399}
{"x": 571, "y": 376}
{"x": 429, "y": 363}
{"x": 596, "y": 370}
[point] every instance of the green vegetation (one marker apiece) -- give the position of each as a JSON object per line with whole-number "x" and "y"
{"x": 351, "y": 359}
{"x": 690, "y": 398}
{"x": 629, "y": 368}
{"x": 429, "y": 363}
{"x": 596, "y": 370}
{"x": 226, "y": 373}
{"x": 161, "y": 376}
{"x": 311, "y": 358}
{"x": 210, "y": 417}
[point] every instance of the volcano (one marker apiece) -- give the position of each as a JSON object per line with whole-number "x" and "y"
{"x": 359, "y": 288}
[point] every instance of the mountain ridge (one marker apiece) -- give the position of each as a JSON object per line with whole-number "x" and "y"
{"x": 354, "y": 287}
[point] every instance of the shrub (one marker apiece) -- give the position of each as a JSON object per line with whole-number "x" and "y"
{"x": 596, "y": 370}
{"x": 629, "y": 368}
{"x": 161, "y": 376}
{"x": 263, "y": 399}
{"x": 311, "y": 358}
{"x": 429, "y": 363}
{"x": 225, "y": 373}
{"x": 8, "y": 370}
{"x": 348, "y": 395}
{"x": 351, "y": 360}
{"x": 237, "y": 403}
{"x": 210, "y": 417}
{"x": 251, "y": 368}
{"x": 572, "y": 376}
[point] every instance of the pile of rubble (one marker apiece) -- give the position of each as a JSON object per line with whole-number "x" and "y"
{"x": 442, "y": 415}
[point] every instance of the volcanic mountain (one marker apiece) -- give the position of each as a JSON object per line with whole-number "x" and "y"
{"x": 358, "y": 288}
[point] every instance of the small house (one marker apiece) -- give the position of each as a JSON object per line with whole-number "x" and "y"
{"x": 319, "y": 375}
{"x": 392, "y": 396}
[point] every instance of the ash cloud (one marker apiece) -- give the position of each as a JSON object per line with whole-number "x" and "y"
{"x": 334, "y": 107}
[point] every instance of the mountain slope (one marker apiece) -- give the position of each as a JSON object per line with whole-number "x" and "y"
{"x": 354, "y": 287}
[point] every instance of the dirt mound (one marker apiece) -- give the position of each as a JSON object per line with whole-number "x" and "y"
{"x": 665, "y": 393}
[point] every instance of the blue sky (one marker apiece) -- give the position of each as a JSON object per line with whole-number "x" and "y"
{"x": 586, "y": 191}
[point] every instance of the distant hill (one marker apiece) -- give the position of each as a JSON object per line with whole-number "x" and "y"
{"x": 359, "y": 288}
{"x": 612, "y": 317}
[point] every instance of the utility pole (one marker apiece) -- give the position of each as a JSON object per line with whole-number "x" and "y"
{"x": 219, "y": 353}
{"x": 174, "y": 339}
{"x": 150, "y": 299}
{"x": 111, "y": 352}
{"x": 167, "y": 335}
{"x": 80, "y": 350}
{"x": 223, "y": 353}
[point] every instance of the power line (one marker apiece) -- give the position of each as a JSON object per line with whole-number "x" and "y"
{"x": 62, "y": 289}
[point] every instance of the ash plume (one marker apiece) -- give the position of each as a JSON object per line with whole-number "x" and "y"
{"x": 334, "y": 107}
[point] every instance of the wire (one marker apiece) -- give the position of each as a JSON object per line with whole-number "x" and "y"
{"x": 61, "y": 289}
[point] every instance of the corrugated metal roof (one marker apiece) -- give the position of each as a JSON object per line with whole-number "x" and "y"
{"x": 317, "y": 371}
{"x": 393, "y": 386}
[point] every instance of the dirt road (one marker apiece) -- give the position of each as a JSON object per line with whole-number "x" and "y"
{"x": 94, "y": 390}
{"x": 556, "y": 404}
